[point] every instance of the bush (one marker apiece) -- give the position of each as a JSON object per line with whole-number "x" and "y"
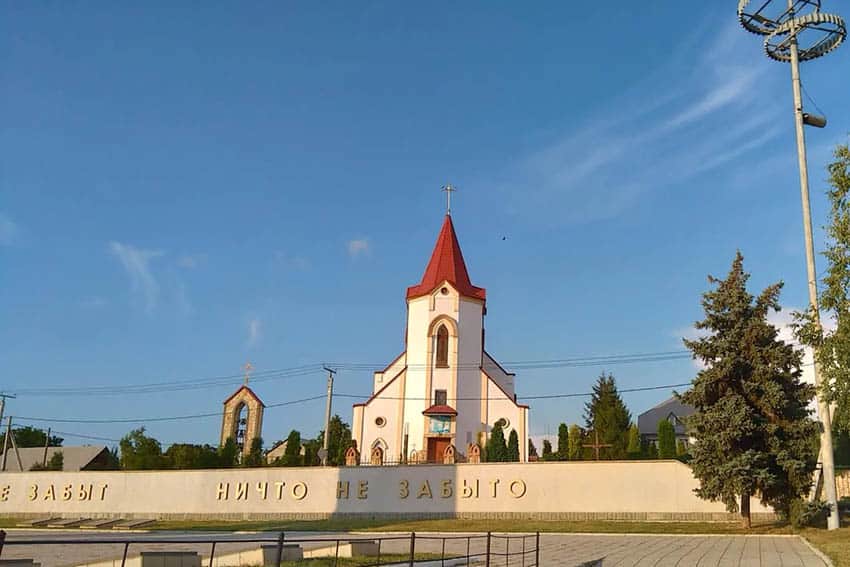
{"x": 803, "y": 513}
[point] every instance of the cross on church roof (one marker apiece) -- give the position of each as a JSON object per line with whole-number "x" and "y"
{"x": 448, "y": 189}
{"x": 247, "y": 368}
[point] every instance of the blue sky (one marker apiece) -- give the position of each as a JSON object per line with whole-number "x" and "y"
{"x": 184, "y": 188}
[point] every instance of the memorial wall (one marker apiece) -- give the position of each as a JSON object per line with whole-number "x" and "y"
{"x": 581, "y": 490}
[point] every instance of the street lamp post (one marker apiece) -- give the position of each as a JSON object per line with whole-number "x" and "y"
{"x": 784, "y": 30}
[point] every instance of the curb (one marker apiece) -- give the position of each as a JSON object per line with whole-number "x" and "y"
{"x": 817, "y": 552}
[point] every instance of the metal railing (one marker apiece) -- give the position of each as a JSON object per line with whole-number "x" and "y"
{"x": 488, "y": 549}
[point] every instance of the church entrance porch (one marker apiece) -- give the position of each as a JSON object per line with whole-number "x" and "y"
{"x": 437, "y": 448}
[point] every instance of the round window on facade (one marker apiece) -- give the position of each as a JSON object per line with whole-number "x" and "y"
{"x": 444, "y": 291}
{"x": 380, "y": 421}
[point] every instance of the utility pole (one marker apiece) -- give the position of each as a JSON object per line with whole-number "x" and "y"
{"x": 782, "y": 28}
{"x": 46, "y": 445}
{"x": 826, "y": 450}
{"x": 328, "y": 415}
{"x": 3, "y": 397}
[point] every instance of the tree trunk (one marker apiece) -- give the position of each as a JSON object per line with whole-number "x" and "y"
{"x": 745, "y": 512}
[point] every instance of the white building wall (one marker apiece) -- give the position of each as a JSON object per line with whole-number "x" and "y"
{"x": 469, "y": 421}
{"x": 501, "y": 406}
{"x": 386, "y": 406}
{"x": 419, "y": 316}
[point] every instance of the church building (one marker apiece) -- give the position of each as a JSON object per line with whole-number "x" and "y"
{"x": 439, "y": 399}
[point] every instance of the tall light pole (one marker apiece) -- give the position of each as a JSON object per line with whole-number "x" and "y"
{"x": 785, "y": 28}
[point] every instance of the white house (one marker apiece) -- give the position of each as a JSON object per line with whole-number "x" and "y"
{"x": 444, "y": 390}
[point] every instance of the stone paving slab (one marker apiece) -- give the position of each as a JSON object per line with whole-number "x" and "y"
{"x": 609, "y": 550}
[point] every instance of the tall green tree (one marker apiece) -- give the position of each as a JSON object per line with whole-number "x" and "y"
{"x": 311, "y": 452}
{"x": 513, "y": 447}
{"x": 832, "y": 348}
{"x": 228, "y": 454}
{"x": 189, "y": 456}
{"x": 547, "y": 450}
{"x": 754, "y": 435}
{"x": 666, "y": 439}
{"x": 607, "y": 414}
{"x": 292, "y": 453}
{"x": 574, "y": 443}
{"x": 633, "y": 448}
{"x": 497, "y": 449}
{"x": 140, "y": 452}
{"x": 254, "y": 458}
{"x": 563, "y": 442}
{"x": 532, "y": 450}
{"x": 339, "y": 441}
{"x": 29, "y": 436}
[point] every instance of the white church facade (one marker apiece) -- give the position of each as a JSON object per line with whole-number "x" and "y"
{"x": 444, "y": 393}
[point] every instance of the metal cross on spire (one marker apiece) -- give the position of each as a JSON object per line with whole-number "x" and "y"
{"x": 247, "y": 368}
{"x": 448, "y": 189}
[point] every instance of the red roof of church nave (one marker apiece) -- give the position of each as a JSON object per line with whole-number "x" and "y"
{"x": 446, "y": 264}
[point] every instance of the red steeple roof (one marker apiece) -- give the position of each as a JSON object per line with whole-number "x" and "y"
{"x": 446, "y": 264}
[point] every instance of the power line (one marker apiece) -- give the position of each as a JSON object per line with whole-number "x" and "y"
{"x": 309, "y": 369}
{"x": 152, "y": 419}
{"x": 536, "y": 397}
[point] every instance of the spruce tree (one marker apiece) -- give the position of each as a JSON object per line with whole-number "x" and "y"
{"x": 754, "y": 436}
{"x": 634, "y": 448}
{"x": 666, "y": 439}
{"x": 833, "y": 348}
{"x": 563, "y": 442}
{"x": 532, "y": 450}
{"x": 254, "y": 458}
{"x": 497, "y": 449}
{"x": 574, "y": 443}
{"x": 513, "y": 447}
{"x": 547, "y": 450}
{"x": 607, "y": 415}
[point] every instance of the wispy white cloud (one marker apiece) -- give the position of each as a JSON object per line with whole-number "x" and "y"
{"x": 690, "y": 117}
{"x": 358, "y": 247}
{"x": 136, "y": 263}
{"x": 255, "y": 331}
{"x": 295, "y": 262}
{"x": 191, "y": 261}
{"x": 8, "y": 230}
{"x": 94, "y": 302}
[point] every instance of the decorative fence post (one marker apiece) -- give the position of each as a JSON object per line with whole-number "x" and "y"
{"x": 487, "y": 559}
{"x": 412, "y": 547}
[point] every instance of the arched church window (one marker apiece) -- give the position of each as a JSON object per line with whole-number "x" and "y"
{"x": 442, "y": 347}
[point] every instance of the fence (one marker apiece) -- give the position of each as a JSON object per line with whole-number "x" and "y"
{"x": 488, "y": 549}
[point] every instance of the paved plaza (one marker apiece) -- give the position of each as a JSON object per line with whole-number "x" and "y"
{"x": 608, "y": 550}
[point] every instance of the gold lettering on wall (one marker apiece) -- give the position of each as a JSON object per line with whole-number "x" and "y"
{"x": 221, "y": 493}
{"x": 68, "y": 492}
{"x": 263, "y": 489}
{"x": 4, "y": 493}
{"x": 342, "y": 489}
{"x": 469, "y": 491}
{"x": 279, "y": 489}
{"x": 299, "y": 490}
{"x": 32, "y": 494}
{"x": 85, "y": 492}
{"x": 241, "y": 491}
{"x": 363, "y": 489}
{"x": 403, "y": 489}
{"x": 103, "y": 491}
{"x": 518, "y": 488}
{"x": 424, "y": 490}
{"x": 494, "y": 483}
{"x": 50, "y": 494}
{"x": 446, "y": 491}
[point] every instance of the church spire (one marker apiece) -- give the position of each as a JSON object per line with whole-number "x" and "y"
{"x": 446, "y": 264}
